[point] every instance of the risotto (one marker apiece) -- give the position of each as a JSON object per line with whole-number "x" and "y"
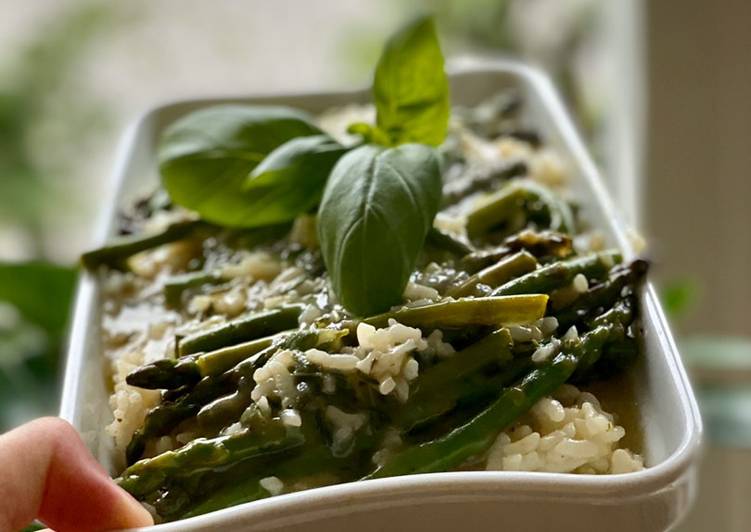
{"x": 359, "y": 305}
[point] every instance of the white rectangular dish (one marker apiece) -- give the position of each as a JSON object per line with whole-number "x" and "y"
{"x": 653, "y": 499}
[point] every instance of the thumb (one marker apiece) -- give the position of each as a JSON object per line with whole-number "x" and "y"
{"x": 49, "y": 474}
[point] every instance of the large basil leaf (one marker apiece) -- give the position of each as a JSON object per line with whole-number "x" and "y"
{"x": 376, "y": 210}
{"x": 206, "y": 156}
{"x": 410, "y": 87}
{"x": 290, "y": 180}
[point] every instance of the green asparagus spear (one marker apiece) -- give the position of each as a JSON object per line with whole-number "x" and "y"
{"x": 616, "y": 357}
{"x": 622, "y": 312}
{"x": 242, "y": 330}
{"x": 603, "y": 295}
{"x": 422, "y": 409}
{"x": 180, "y": 493}
{"x": 169, "y": 374}
{"x": 120, "y": 249}
{"x": 613, "y": 328}
{"x": 225, "y": 410}
{"x": 317, "y": 459}
{"x": 208, "y": 455}
{"x": 540, "y": 244}
{"x": 505, "y": 270}
{"x": 470, "y": 311}
{"x": 446, "y": 242}
{"x": 499, "y": 207}
{"x": 477, "y": 435}
{"x": 300, "y": 340}
{"x": 481, "y": 179}
{"x": 248, "y": 489}
{"x": 164, "y": 417}
{"x": 558, "y": 274}
{"x": 175, "y": 286}
{"x": 495, "y": 347}
{"x": 440, "y": 387}
{"x": 503, "y": 206}
{"x": 165, "y": 374}
{"x": 220, "y": 360}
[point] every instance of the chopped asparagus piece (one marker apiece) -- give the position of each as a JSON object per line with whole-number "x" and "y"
{"x": 115, "y": 253}
{"x": 242, "y": 330}
{"x": 557, "y": 274}
{"x": 469, "y": 311}
{"x": 505, "y": 270}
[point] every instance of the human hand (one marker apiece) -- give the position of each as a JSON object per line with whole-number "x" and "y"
{"x": 47, "y": 473}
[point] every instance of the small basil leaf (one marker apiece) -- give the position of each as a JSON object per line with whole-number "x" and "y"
{"x": 410, "y": 88}
{"x": 205, "y": 157}
{"x": 290, "y": 180}
{"x": 369, "y": 133}
{"x": 376, "y": 210}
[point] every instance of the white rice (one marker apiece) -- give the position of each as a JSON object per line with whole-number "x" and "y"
{"x": 566, "y": 434}
{"x": 274, "y": 379}
{"x": 272, "y": 484}
{"x": 547, "y": 325}
{"x": 386, "y": 355}
{"x": 571, "y": 334}
{"x": 522, "y": 333}
{"x": 415, "y": 291}
{"x": 546, "y": 352}
{"x": 129, "y": 404}
{"x": 437, "y": 347}
{"x": 291, "y": 417}
{"x": 547, "y": 167}
{"x": 453, "y": 225}
{"x": 344, "y": 425}
{"x": 257, "y": 265}
{"x": 580, "y": 283}
{"x": 589, "y": 241}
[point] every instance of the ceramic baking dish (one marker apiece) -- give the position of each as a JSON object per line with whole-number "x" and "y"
{"x": 653, "y": 499}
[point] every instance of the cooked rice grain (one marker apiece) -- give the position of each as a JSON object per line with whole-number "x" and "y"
{"x": 577, "y": 438}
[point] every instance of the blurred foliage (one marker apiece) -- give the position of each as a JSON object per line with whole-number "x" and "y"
{"x": 494, "y": 26}
{"x": 482, "y": 23}
{"x": 36, "y": 525}
{"x": 515, "y": 28}
{"x": 35, "y": 296}
{"x": 679, "y": 296}
{"x": 42, "y": 77}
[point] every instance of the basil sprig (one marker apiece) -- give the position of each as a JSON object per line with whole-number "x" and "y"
{"x": 410, "y": 88}
{"x": 206, "y": 156}
{"x": 376, "y": 211}
{"x": 254, "y": 166}
{"x": 379, "y": 204}
{"x": 290, "y": 180}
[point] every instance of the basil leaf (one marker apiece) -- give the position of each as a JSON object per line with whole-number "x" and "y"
{"x": 410, "y": 88}
{"x": 369, "y": 133}
{"x": 206, "y": 156}
{"x": 376, "y": 210}
{"x": 290, "y": 180}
